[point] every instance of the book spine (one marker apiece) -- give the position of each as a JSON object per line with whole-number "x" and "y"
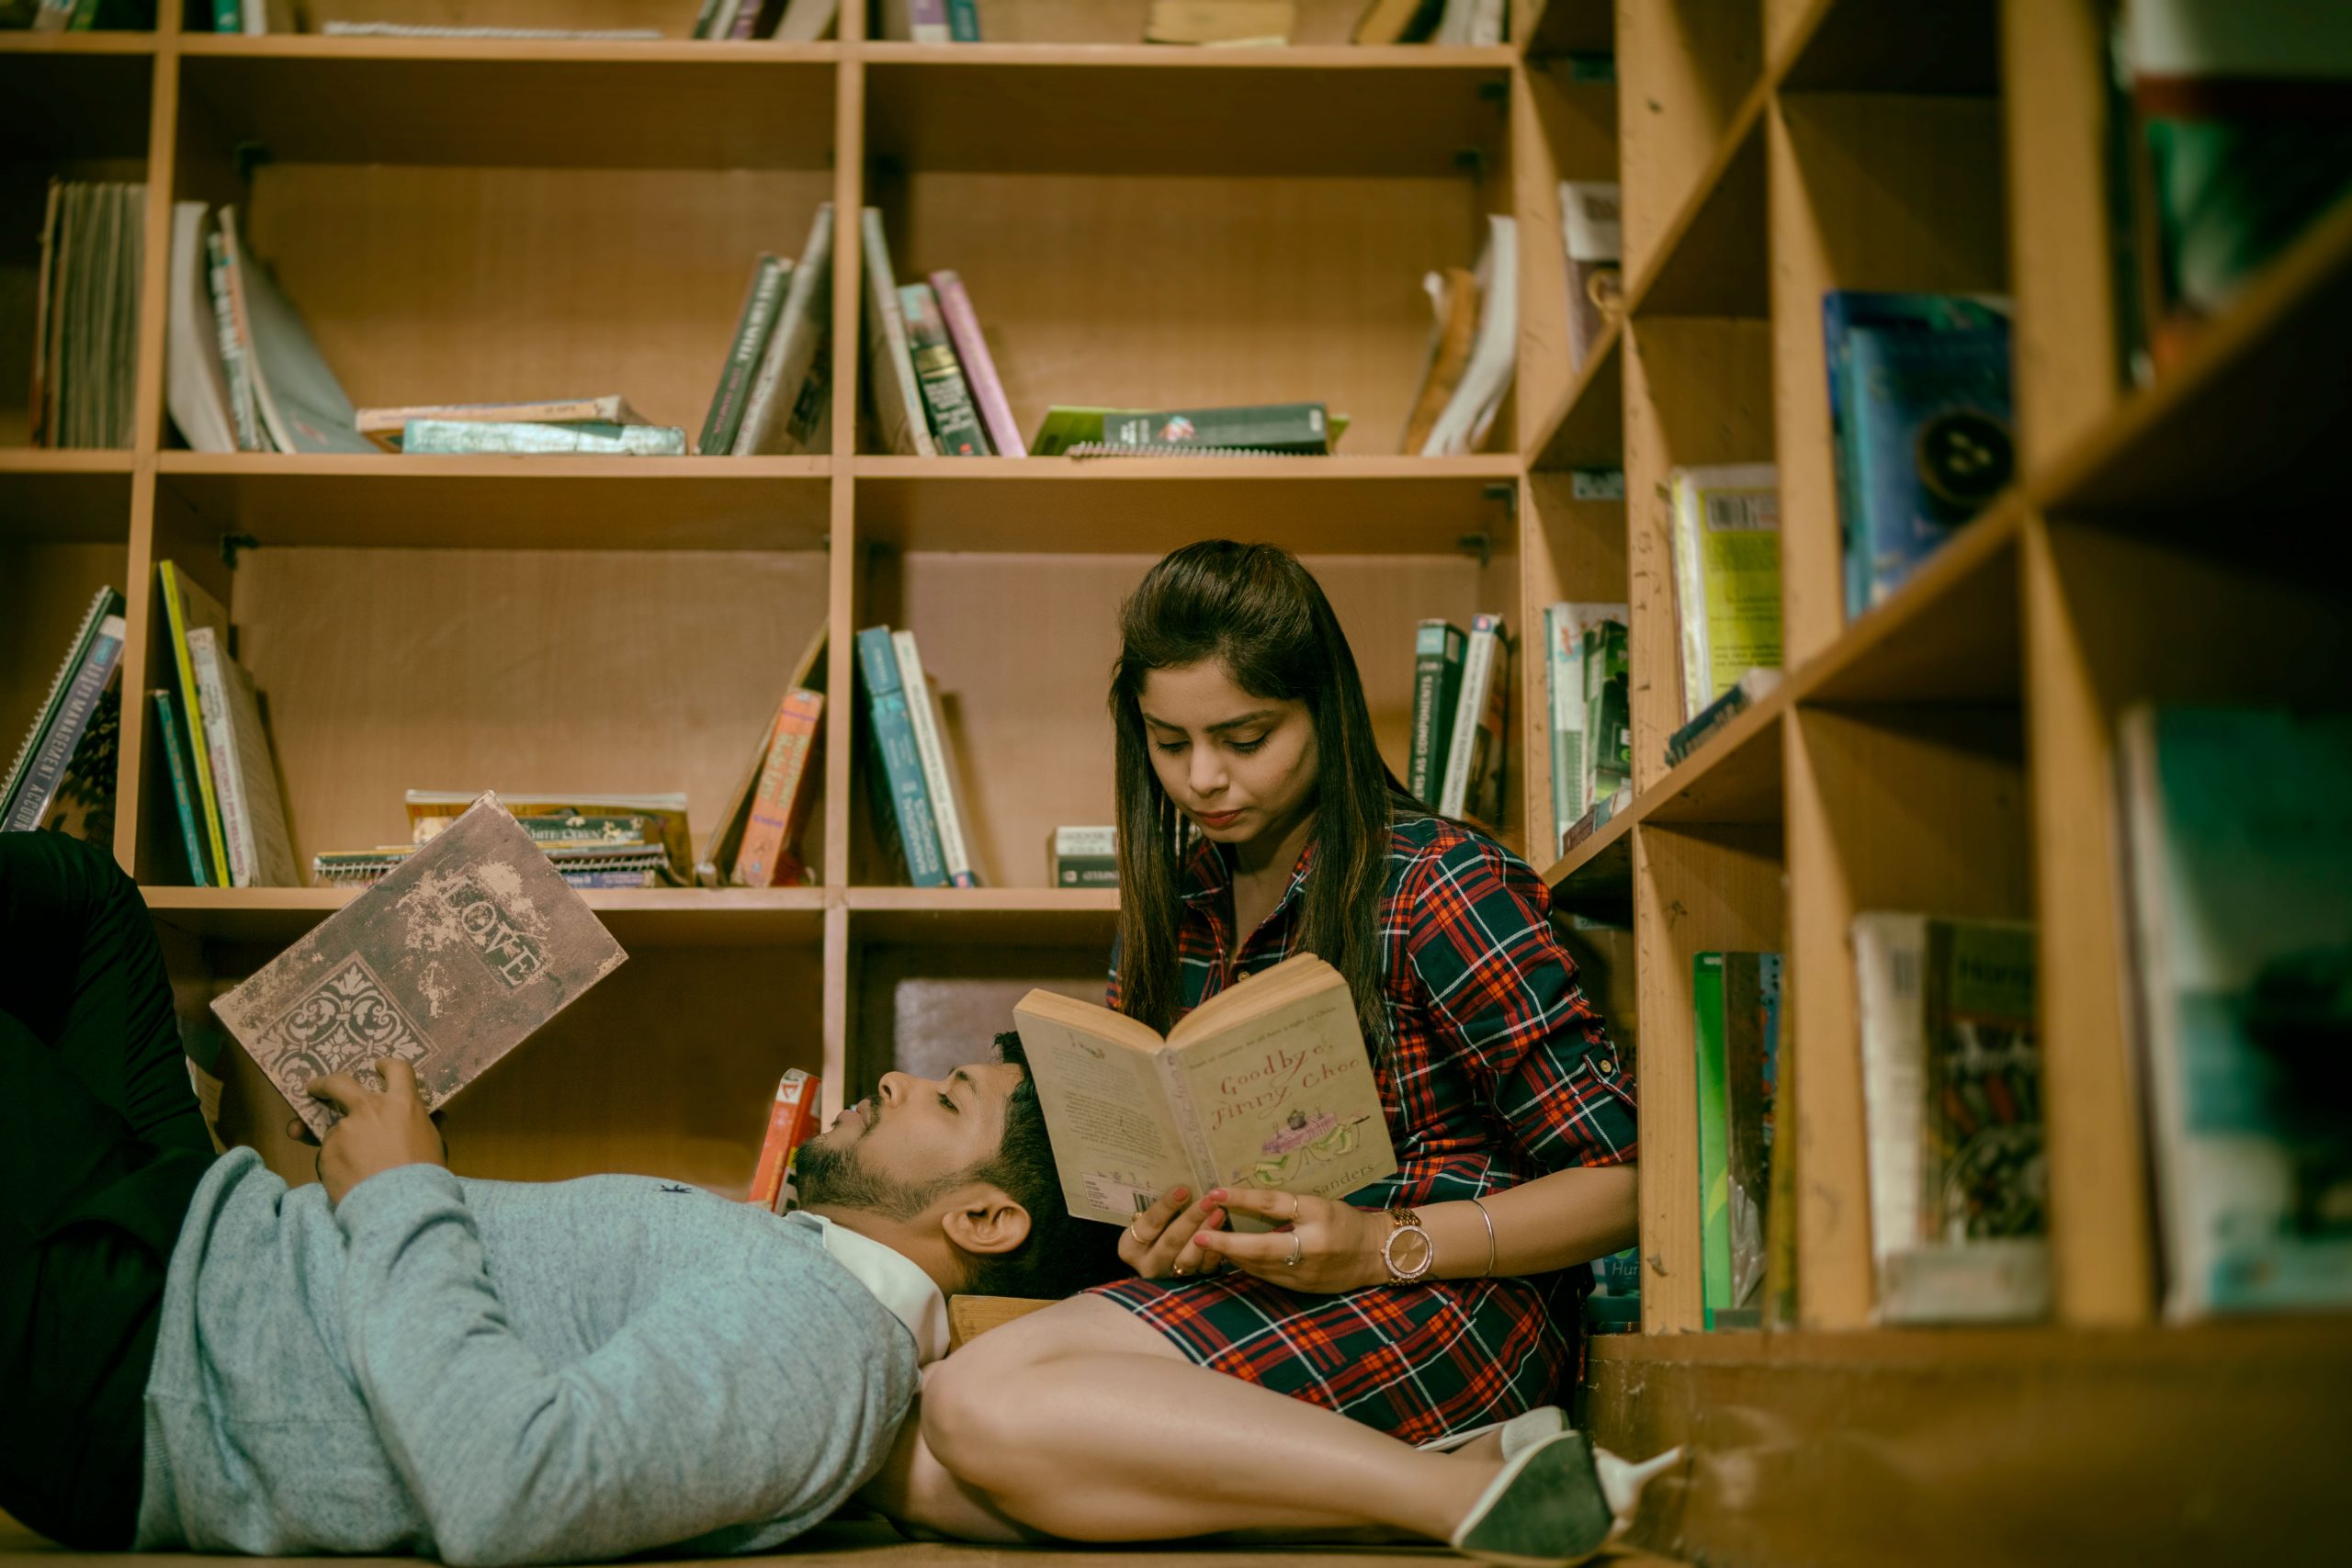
{"x": 200, "y": 754}
{"x": 752, "y": 325}
{"x": 702, "y": 18}
{"x": 1890, "y": 961}
{"x": 1607, "y": 721}
{"x": 47, "y": 765}
{"x": 1564, "y": 682}
{"x": 782, "y": 369}
{"x": 746, "y": 25}
{"x": 1427, "y": 640}
{"x": 946, "y": 811}
{"x": 1476, "y": 669}
{"x": 898, "y": 406}
{"x": 964, "y": 21}
{"x": 979, "y": 368}
{"x": 232, "y": 351}
{"x": 1440, "y": 644}
{"x": 1482, "y": 797}
{"x": 927, "y": 21}
{"x": 894, "y": 741}
{"x": 779, "y": 810}
{"x": 1715, "y": 1171}
{"x": 1179, "y": 1095}
{"x": 1083, "y": 857}
{"x": 212, "y": 703}
{"x": 947, "y": 402}
{"x": 1266, "y": 427}
{"x": 794, "y": 1098}
{"x": 167, "y": 724}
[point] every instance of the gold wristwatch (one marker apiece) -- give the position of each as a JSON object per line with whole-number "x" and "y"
{"x": 1407, "y": 1252}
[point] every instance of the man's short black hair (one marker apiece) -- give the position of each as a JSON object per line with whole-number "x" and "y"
{"x": 1063, "y": 1255}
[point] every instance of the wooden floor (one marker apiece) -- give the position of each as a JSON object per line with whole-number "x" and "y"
{"x": 868, "y": 1546}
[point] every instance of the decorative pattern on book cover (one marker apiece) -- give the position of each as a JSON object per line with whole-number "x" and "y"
{"x": 448, "y": 963}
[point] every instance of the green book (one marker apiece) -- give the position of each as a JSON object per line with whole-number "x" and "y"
{"x": 946, "y": 397}
{"x": 1608, "y": 757}
{"x": 753, "y": 327}
{"x": 1067, "y": 426}
{"x": 1437, "y": 686}
{"x": 1264, "y": 427}
{"x": 1714, "y": 1168}
{"x": 175, "y": 764}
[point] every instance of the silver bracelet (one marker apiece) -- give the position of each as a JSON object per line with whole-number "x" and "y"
{"x": 1490, "y": 1237}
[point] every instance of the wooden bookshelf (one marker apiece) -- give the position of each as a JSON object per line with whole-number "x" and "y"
{"x": 501, "y": 220}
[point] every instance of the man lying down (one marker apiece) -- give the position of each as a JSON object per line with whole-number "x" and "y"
{"x": 397, "y": 1359}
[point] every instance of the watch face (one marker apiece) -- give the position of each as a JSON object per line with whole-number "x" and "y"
{"x": 1409, "y": 1251}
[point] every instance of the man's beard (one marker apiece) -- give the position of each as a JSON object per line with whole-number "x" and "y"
{"x": 825, "y": 1176}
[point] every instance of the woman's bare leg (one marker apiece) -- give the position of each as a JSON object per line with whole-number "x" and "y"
{"x": 1084, "y": 1423}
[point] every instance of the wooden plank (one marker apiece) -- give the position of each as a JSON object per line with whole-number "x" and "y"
{"x": 674, "y": 106}
{"x": 1561, "y": 131}
{"x": 2064, "y": 365}
{"x": 1956, "y": 1448}
{"x": 1698, "y": 64}
{"x": 651, "y": 917}
{"x": 1846, "y": 170}
{"x": 544, "y": 502}
{"x": 1696, "y": 890}
{"x": 968, "y": 1317}
{"x": 1407, "y": 113}
{"x": 1355, "y": 506}
{"x": 1710, "y": 259}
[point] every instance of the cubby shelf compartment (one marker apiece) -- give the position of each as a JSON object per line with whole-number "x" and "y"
{"x": 989, "y": 917}
{"x": 1587, "y": 427}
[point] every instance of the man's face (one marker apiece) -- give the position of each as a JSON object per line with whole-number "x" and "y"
{"x": 897, "y": 1149}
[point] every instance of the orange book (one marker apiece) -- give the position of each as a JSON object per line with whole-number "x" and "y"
{"x": 791, "y": 1118}
{"x": 770, "y": 854}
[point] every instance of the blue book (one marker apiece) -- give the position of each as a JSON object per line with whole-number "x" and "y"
{"x": 176, "y": 763}
{"x": 1920, "y": 415}
{"x": 902, "y": 804}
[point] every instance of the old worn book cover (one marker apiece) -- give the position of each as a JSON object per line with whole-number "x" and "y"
{"x": 449, "y": 962}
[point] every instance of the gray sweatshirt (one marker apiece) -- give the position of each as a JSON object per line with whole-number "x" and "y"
{"x": 498, "y": 1372}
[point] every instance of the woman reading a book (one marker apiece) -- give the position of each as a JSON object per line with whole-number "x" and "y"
{"x": 1256, "y": 819}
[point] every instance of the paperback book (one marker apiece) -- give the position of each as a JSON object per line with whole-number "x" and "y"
{"x": 1266, "y": 1084}
{"x": 1726, "y": 541}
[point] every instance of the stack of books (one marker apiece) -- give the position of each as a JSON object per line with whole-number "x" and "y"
{"x": 594, "y": 841}
{"x": 918, "y": 794}
{"x": 62, "y": 777}
{"x": 234, "y": 827}
{"x": 1461, "y": 686}
{"x": 797, "y": 21}
{"x": 1257, "y": 430}
{"x": 1473, "y": 350}
{"x": 603, "y": 425}
{"x": 242, "y": 370}
{"x": 86, "y": 326}
{"x": 935, "y": 387}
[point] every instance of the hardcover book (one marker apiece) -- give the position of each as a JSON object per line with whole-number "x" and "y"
{"x": 898, "y": 400}
{"x": 2240, "y": 871}
{"x": 1083, "y": 857}
{"x": 1470, "y": 413}
{"x": 1609, "y": 714}
{"x": 947, "y": 398}
{"x": 940, "y": 778}
{"x": 1266, "y": 1084}
{"x": 430, "y": 811}
{"x": 1572, "y": 774}
{"x": 90, "y": 668}
{"x": 770, "y": 854}
{"x": 173, "y": 750}
{"x": 793, "y": 1116}
{"x": 979, "y": 365}
{"x": 253, "y": 816}
{"x": 1437, "y": 686}
{"x": 716, "y": 865}
{"x": 1951, "y": 1092}
{"x": 450, "y": 962}
{"x": 1919, "y": 412}
{"x": 1077, "y": 430}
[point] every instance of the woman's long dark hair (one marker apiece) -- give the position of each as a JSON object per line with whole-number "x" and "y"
{"x": 1262, "y": 615}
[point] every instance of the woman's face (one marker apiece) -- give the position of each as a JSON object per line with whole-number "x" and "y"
{"x": 1239, "y": 766}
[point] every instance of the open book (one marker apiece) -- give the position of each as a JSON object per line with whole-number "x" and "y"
{"x": 1267, "y": 1085}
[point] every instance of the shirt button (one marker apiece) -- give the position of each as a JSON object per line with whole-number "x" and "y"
{"x": 1608, "y": 1065}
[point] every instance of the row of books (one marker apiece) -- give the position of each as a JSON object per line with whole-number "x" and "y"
{"x": 919, "y": 810}
{"x": 86, "y": 325}
{"x": 786, "y": 21}
{"x": 1458, "y": 750}
{"x": 592, "y": 841}
{"x": 1584, "y": 648}
{"x": 77, "y": 15}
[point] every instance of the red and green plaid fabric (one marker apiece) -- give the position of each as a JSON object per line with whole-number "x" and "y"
{"x": 1499, "y": 1071}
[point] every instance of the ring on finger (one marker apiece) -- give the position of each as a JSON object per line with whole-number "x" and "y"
{"x": 1294, "y": 1208}
{"x": 1297, "y": 1251}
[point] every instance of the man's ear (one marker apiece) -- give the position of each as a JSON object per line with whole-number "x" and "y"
{"x": 983, "y": 1219}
